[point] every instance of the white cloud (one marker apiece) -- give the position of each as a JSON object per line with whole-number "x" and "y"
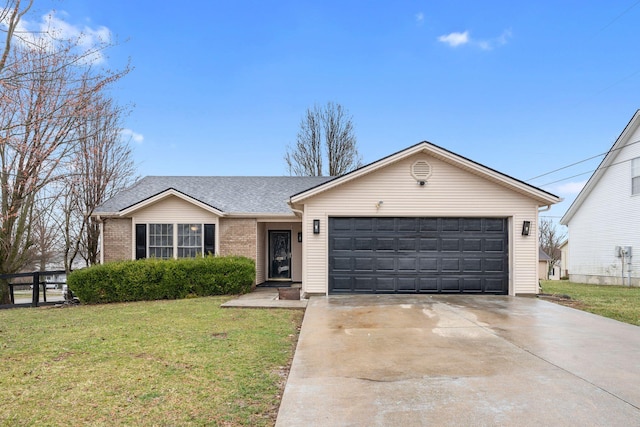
{"x": 53, "y": 28}
{"x": 455, "y": 39}
{"x": 570, "y": 188}
{"x": 419, "y": 17}
{"x": 132, "y": 136}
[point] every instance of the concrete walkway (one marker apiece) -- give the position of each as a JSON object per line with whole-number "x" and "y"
{"x": 263, "y": 298}
{"x": 460, "y": 360}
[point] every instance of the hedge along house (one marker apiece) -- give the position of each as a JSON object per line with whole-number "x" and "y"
{"x": 423, "y": 220}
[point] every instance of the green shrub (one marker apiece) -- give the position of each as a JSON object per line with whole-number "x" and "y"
{"x": 153, "y": 279}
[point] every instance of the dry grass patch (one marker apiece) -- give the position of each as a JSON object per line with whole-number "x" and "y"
{"x": 185, "y": 362}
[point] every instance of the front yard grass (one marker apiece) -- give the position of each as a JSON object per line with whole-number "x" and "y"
{"x": 182, "y": 362}
{"x": 616, "y": 302}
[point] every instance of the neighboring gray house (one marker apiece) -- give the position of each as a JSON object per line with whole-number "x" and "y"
{"x": 421, "y": 220}
{"x": 604, "y": 220}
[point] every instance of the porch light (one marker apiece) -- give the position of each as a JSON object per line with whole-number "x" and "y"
{"x": 300, "y": 236}
{"x": 526, "y": 227}
{"x": 316, "y": 226}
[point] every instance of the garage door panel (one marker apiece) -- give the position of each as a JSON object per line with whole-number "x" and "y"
{"x": 495, "y": 225}
{"x": 450, "y": 264}
{"x": 493, "y": 285}
{"x": 494, "y": 245}
{"x": 407, "y": 255}
{"x": 450, "y": 224}
{"x": 450, "y": 245}
{"x": 472, "y": 224}
{"x": 363, "y": 244}
{"x": 385, "y": 265}
{"x": 342, "y": 244}
{"x": 407, "y": 284}
{"x": 408, "y": 224}
{"x": 364, "y": 264}
{"x": 385, "y": 224}
{"x": 407, "y": 244}
{"x": 364, "y": 284}
{"x": 407, "y": 265}
{"x": 386, "y": 244}
{"x": 342, "y": 264}
{"x": 428, "y": 265}
{"x": 342, "y": 283}
{"x": 472, "y": 245}
{"x": 451, "y": 284}
{"x": 472, "y": 284}
{"x": 428, "y": 224}
{"x": 494, "y": 265}
{"x": 428, "y": 284}
{"x": 472, "y": 265}
{"x": 428, "y": 244}
{"x": 363, "y": 224}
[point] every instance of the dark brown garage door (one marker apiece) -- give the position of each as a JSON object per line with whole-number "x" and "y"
{"x": 418, "y": 255}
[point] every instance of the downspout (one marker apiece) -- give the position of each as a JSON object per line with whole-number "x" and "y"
{"x": 546, "y": 208}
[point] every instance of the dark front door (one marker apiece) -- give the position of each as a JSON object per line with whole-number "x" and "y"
{"x": 418, "y": 255}
{"x": 280, "y": 255}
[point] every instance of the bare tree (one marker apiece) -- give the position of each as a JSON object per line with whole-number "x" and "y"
{"x": 43, "y": 103}
{"x": 326, "y": 137}
{"x": 100, "y": 166}
{"x": 10, "y": 16}
{"x": 550, "y": 239}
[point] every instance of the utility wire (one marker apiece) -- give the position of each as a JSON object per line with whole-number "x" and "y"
{"x": 582, "y": 161}
{"x": 584, "y": 173}
{"x": 624, "y": 12}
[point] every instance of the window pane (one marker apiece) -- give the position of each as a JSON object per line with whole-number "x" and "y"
{"x": 189, "y": 240}
{"x": 635, "y": 167}
{"x": 635, "y": 185}
{"x": 161, "y": 240}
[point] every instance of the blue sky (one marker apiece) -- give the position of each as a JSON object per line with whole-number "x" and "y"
{"x": 219, "y": 87}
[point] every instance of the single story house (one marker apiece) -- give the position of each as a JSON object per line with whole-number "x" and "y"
{"x": 422, "y": 220}
{"x": 604, "y": 219}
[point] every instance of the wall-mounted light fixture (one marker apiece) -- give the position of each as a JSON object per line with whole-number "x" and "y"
{"x": 379, "y": 204}
{"x": 316, "y": 226}
{"x": 526, "y": 228}
{"x": 300, "y": 236}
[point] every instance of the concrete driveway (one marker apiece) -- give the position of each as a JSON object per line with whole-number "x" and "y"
{"x": 460, "y": 360}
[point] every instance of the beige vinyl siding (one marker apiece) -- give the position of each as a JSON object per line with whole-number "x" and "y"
{"x": 173, "y": 210}
{"x": 449, "y": 192}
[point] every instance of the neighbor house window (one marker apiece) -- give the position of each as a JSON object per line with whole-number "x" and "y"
{"x": 189, "y": 240}
{"x": 161, "y": 240}
{"x": 635, "y": 176}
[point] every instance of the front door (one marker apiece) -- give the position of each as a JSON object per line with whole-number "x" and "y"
{"x": 280, "y": 255}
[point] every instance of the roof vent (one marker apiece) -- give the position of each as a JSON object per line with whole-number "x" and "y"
{"x": 421, "y": 170}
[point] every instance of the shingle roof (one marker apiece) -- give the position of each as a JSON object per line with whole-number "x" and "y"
{"x": 230, "y": 194}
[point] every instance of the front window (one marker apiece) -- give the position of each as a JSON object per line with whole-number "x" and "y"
{"x": 635, "y": 176}
{"x": 189, "y": 240}
{"x": 161, "y": 241}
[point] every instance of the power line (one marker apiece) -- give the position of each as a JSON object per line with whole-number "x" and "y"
{"x": 588, "y": 172}
{"x": 582, "y": 161}
{"x": 624, "y": 12}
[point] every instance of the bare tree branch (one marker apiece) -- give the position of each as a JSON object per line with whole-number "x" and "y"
{"x": 326, "y": 137}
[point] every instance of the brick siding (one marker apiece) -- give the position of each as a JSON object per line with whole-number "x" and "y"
{"x": 238, "y": 237}
{"x": 117, "y": 239}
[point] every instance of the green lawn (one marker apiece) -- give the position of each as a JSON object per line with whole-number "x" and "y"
{"x": 185, "y": 362}
{"x": 617, "y": 302}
